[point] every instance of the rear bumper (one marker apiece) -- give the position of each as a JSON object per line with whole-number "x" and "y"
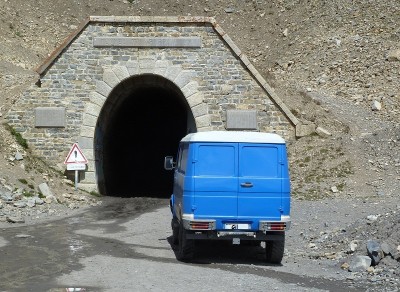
{"x": 207, "y": 229}
{"x": 230, "y": 235}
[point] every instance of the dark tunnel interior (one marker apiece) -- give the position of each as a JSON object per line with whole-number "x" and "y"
{"x": 145, "y": 125}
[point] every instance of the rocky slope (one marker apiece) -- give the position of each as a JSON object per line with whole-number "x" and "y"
{"x": 334, "y": 63}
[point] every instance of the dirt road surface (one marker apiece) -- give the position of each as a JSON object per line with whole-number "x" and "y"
{"x": 124, "y": 245}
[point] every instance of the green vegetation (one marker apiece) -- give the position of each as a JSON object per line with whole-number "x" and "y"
{"x": 26, "y": 193}
{"x": 22, "y": 180}
{"x": 320, "y": 170}
{"x": 95, "y": 194}
{"x": 21, "y": 141}
{"x": 25, "y": 182}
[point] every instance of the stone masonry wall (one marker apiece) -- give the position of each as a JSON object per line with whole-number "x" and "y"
{"x": 216, "y": 77}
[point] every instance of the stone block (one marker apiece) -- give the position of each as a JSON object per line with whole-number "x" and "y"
{"x": 103, "y": 88}
{"x": 93, "y": 109}
{"x": 184, "y": 78}
{"x": 87, "y": 131}
{"x": 322, "y": 132}
{"x": 161, "y": 67}
{"x": 45, "y": 190}
{"x": 85, "y": 143}
{"x": 190, "y": 88}
{"x": 110, "y": 78}
{"x": 195, "y": 99}
{"x": 97, "y": 98}
{"x": 89, "y": 120}
{"x": 200, "y": 110}
{"x": 172, "y": 72}
{"x": 304, "y": 129}
{"x": 203, "y": 121}
{"x": 121, "y": 72}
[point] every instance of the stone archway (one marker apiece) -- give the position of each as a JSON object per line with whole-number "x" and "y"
{"x": 141, "y": 122}
{"x": 112, "y": 92}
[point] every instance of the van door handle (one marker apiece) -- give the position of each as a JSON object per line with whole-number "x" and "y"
{"x": 246, "y": 184}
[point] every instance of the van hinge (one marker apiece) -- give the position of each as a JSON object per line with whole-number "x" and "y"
{"x": 194, "y": 207}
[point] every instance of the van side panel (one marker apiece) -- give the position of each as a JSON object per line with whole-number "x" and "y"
{"x": 260, "y": 182}
{"x": 182, "y": 181}
{"x": 215, "y": 180}
{"x": 285, "y": 183}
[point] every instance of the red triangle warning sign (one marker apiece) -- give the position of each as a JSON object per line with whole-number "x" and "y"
{"x": 75, "y": 155}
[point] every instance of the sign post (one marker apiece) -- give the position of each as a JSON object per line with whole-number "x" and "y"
{"x": 75, "y": 160}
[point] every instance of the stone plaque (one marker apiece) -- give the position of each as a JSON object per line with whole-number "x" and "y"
{"x": 50, "y": 117}
{"x": 241, "y": 120}
{"x": 147, "y": 42}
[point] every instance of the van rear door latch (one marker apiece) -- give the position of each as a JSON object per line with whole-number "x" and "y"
{"x": 246, "y": 184}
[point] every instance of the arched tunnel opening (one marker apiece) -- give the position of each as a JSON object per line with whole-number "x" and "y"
{"x": 142, "y": 121}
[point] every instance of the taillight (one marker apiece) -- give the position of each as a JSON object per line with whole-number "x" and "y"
{"x": 278, "y": 226}
{"x": 196, "y": 225}
{"x": 274, "y": 226}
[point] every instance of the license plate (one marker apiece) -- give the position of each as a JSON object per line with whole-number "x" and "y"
{"x": 236, "y": 226}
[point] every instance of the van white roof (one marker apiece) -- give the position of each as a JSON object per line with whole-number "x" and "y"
{"x": 234, "y": 136}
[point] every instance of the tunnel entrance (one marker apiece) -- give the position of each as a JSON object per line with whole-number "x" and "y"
{"x": 141, "y": 122}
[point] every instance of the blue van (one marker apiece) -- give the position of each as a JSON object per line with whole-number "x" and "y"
{"x": 230, "y": 185}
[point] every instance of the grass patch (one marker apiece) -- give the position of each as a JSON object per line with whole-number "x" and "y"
{"x": 95, "y": 194}
{"x": 23, "y": 181}
{"x": 21, "y": 141}
{"x": 26, "y": 193}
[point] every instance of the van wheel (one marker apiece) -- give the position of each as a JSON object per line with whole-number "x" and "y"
{"x": 175, "y": 230}
{"x": 274, "y": 250}
{"x": 185, "y": 246}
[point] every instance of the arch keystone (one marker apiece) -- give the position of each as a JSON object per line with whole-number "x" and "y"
{"x": 147, "y": 65}
{"x": 161, "y": 67}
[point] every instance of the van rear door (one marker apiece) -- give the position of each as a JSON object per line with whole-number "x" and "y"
{"x": 260, "y": 181}
{"x": 215, "y": 180}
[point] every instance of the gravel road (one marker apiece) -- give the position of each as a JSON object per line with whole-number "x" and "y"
{"x": 124, "y": 245}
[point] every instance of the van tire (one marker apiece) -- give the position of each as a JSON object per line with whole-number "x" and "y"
{"x": 185, "y": 250}
{"x": 175, "y": 230}
{"x": 274, "y": 250}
